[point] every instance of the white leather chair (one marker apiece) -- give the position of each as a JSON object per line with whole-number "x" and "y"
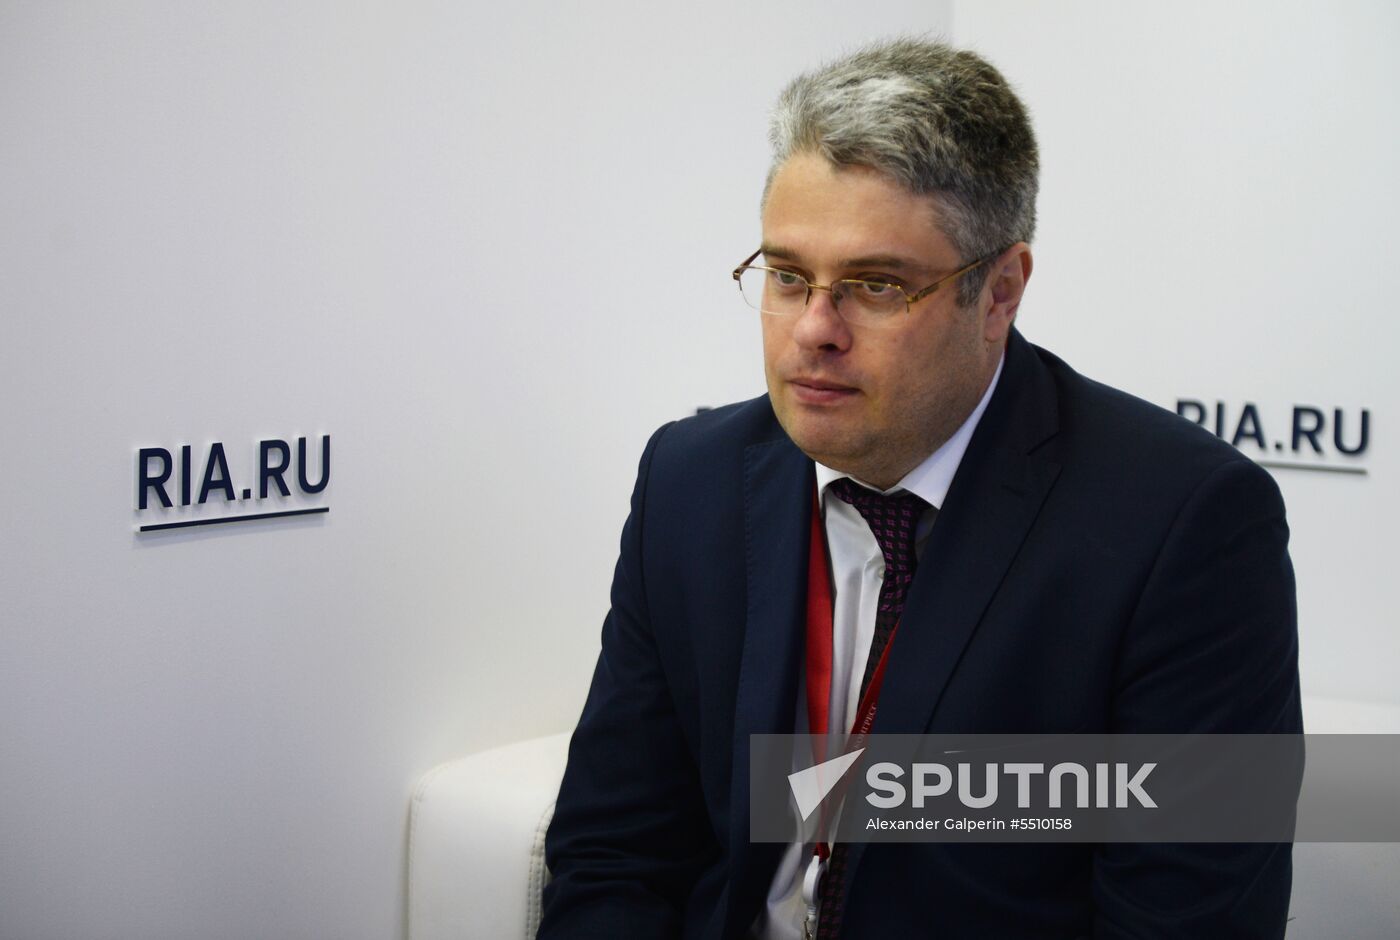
{"x": 1346, "y": 889}
{"x": 476, "y": 842}
{"x": 476, "y": 846}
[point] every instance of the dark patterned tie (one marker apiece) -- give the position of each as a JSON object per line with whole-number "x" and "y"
{"x": 894, "y": 520}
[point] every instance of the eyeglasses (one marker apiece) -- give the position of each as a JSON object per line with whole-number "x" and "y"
{"x": 862, "y": 301}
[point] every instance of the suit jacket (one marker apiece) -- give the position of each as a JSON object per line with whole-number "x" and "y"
{"x": 1099, "y": 565}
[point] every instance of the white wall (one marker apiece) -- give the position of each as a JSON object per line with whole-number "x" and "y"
{"x": 402, "y": 225}
{"x": 1217, "y": 210}
{"x": 486, "y": 248}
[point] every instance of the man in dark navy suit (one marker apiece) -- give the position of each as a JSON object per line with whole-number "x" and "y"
{"x": 1074, "y": 560}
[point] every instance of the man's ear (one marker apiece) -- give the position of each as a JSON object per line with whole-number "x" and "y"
{"x": 1006, "y": 283}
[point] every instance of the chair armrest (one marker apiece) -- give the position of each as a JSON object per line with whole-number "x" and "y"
{"x": 1343, "y": 716}
{"x": 476, "y": 842}
{"x": 1345, "y": 889}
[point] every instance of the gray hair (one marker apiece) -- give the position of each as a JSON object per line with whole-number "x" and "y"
{"x": 939, "y": 121}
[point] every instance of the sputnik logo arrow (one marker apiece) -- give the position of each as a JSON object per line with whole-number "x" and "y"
{"x": 810, "y": 786}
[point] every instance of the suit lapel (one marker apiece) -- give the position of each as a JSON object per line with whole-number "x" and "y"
{"x": 992, "y": 503}
{"x": 777, "y": 519}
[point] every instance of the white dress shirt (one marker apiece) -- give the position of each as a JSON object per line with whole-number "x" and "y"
{"x": 857, "y": 569}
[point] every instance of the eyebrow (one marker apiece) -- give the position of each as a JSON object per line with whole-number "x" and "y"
{"x": 889, "y": 262}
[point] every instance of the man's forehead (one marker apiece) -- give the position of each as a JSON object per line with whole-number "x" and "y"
{"x": 850, "y": 216}
{"x": 884, "y": 260}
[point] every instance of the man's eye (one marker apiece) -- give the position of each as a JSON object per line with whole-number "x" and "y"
{"x": 877, "y": 288}
{"x": 786, "y": 279}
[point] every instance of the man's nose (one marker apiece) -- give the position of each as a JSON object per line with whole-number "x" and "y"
{"x": 820, "y": 324}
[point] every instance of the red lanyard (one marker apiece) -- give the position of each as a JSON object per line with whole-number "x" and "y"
{"x": 819, "y": 654}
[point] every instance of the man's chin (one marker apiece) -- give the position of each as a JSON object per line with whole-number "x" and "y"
{"x": 824, "y": 444}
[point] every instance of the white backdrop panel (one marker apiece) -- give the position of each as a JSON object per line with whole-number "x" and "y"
{"x": 1218, "y": 193}
{"x": 484, "y": 246}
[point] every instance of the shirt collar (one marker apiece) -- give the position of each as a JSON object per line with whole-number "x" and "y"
{"x": 930, "y": 479}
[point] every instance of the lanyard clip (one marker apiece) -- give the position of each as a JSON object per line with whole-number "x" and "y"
{"x": 810, "y": 881}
